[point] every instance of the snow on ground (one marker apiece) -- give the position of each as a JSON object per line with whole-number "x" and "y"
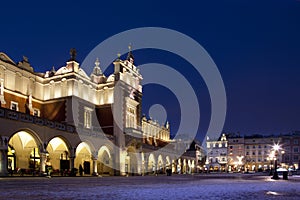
{"x": 151, "y": 187}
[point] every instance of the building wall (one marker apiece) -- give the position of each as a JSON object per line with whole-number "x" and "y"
{"x": 60, "y": 113}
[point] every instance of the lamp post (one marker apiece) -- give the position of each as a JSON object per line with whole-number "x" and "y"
{"x": 271, "y": 158}
{"x": 276, "y": 147}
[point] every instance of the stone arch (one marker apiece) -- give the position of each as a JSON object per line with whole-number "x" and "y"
{"x": 184, "y": 166}
{"x": 189, "y": 166}
{"x": 104, "y": 162}
{"x": 174, "y": 166}
{"x": 131, "y": 161}
{"x": 160, "y": 164}
{"x": 179, "y": 166}
{"x": 151, "y": 163}
{"x": 24, "y": 151}
{"x": 168, "y": 162}
{"x": 58, "y": 154}
{"x": 83, "y": 157}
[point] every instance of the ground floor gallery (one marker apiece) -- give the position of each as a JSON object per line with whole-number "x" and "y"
{"x": 25, "y": 154}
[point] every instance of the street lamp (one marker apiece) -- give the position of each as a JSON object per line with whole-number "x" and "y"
{"x": 271, "y": 158}
{"x": 276, "y": 147}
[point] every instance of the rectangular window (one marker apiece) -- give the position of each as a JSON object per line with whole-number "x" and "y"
{"x": 296, "y": 149}
{"x": 253, "y": 153}
{"x": 287, "y": 158}
{"x": 36, "y": 112}
{"x": 253, "y": 146}
{"x": 295, "y": 141}
{"x": 296, "y": 157}
{"x": 87, "y": 117}
{"x": 14, "y": 106}
{"x": 287, "y": 141}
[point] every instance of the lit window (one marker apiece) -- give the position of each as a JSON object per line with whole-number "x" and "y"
{"x": 36, "y": 112}
{"x": 14, "y": 106}
{"x": 87, "y": 117}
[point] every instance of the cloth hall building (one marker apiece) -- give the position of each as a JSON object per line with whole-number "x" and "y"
{"x": 68, "y": 120}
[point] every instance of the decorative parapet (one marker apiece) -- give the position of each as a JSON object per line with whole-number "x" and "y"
{"x": 22, "y": 117}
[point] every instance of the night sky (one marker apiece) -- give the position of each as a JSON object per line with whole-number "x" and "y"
{"x": 255, "y": 45}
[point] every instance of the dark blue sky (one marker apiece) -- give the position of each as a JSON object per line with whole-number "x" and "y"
{"x": 255, "y": 44}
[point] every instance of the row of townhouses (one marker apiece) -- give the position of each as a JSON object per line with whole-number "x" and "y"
{"x": 233, "y": 153}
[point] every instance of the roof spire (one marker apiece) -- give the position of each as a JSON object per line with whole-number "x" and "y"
{"x": 130, "y": 56}
{"x": 97, "y": 70}
{"x": 73, "y": 54}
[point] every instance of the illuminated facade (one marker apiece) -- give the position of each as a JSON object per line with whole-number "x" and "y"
{"x": 258, "y": 153}
{"x": 291, "y": 147}
{"x": 236, "y": 154}
{"x": 217, "y": 154}
{"x": 40, "y": 129}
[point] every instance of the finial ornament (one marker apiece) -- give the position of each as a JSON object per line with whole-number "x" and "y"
{"x": 73, "y": 53}
{"x": 119, "y": 55}
{"x": 97, "y": 62}
{"x": 129, "y": 47}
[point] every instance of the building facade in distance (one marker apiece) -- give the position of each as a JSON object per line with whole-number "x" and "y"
{"x": 217, "y": 154}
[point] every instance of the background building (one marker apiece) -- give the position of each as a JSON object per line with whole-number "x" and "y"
{"x": 217, "y": 154}
{"x": 291, "y": 146}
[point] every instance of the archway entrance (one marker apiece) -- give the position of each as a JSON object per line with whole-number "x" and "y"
{"x": 151, "y": 164}
{"x": 83, "y": 158}
{"x": 23, "y": 154}
{"x": 104, "y": 164}
{"x": 58, "y": 156}
{"x": 160, "y": 165}
{"x": 131, "y": 162}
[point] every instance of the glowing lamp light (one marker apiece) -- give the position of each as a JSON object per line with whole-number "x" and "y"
{"x": 276, "y": 147}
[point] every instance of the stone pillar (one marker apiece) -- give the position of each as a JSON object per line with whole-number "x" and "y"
{"x": 72, "y": 161}
{"x": 43, "y": 157}
{"x": 95, "y": 173}
{"x": 3, "y": 156}
{"x": 72, "y": 153}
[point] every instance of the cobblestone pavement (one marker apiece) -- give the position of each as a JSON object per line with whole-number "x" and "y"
{"x": 151, "y": 187}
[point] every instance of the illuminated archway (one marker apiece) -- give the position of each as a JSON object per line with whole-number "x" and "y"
{"x": 151, "y": 164}
{"x": 174, "y": 166}
{"x": 179, "y": 166}
{"x": 184, "y": 166}
{"x": 168, "y": 162}
{"x": 160, "y": 164}
{"x": 104, "y": 164}
{"x": 24, "y": 152}
{"x": 83, "y": 157}
{"x": 58, "y": 154}
{"x": 131, "y": 162}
